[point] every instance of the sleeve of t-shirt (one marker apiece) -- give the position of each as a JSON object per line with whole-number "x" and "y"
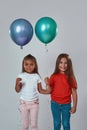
{"x": 22, "y": 77}
{"x": 39, "y": 79}
{"x": 19, "y": 75}
{"x": 74, "y": 84}
{"x": 51, "y": 80}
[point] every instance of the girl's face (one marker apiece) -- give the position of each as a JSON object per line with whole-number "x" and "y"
{"x": 63, "y": 65}
{"x": 29, "y": 66}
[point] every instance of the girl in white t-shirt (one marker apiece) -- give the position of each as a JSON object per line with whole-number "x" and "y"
{"x": 28, "y": 83}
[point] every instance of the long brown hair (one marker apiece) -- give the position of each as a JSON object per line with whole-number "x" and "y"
{"x": 69, "y": 72}
{"x": 30, "y": 57}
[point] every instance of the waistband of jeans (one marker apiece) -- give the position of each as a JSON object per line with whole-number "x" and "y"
{"x": 21, "y": 101}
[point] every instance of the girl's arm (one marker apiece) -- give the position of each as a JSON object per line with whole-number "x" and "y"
{"x": 18, "y": 85}
{"x": 44, "y": 91}
{"x": 48, "y": 88}
{"x": 74, "y": 97}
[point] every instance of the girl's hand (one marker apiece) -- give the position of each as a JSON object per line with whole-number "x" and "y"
{"x": 46, "y": 80}
{"x": 18, "y": 81}
{"x": 73, "y": 110}
{"x": 18, "y": 84}
{"x": 74, "y": 98}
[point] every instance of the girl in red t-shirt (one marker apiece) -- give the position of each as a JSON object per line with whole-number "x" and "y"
{"x": 62, "y": 86}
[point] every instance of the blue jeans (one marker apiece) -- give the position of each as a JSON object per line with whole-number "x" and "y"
{"x": 61, "y": 114}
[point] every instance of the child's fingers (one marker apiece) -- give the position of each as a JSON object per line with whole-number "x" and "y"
{"x": 19, "y": 79}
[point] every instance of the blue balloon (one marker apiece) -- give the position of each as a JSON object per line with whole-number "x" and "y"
{"x": 21, "y": 31}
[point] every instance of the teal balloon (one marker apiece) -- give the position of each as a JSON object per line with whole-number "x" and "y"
{"x": 46, "y": 29}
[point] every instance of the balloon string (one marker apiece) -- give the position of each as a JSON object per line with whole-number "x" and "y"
{"x": 21, "y": 47}
{"x": 46, "y": 48}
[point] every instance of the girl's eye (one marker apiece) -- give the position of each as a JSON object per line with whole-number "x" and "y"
{"x": 26, "y": 64}
{"x": 61, "y": 62}
{"x": 31, "y": 64}
{"x": 65, "y": 63}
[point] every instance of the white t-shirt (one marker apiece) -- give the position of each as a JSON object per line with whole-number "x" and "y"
{"x": 29, "y": 90}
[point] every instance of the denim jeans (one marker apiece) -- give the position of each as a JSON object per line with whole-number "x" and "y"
{"x": 61, "y": 114}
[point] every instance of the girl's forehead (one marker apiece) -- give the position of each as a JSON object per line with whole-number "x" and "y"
{"x": 64, "y": 58}
{"x": 28, "y": 60}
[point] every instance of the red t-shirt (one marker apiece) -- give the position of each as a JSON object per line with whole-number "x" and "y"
{"x": 61, "y": 90}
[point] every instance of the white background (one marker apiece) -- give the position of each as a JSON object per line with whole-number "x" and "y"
{"x": 71, "y": 17}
